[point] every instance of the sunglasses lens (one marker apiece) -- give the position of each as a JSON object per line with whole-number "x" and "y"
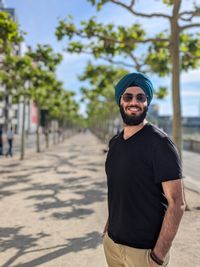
{"x": 141, "y": 98}
{"x": 127, "y": 97}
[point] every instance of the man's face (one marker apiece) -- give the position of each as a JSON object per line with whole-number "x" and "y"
{"x": 133, "y": 111}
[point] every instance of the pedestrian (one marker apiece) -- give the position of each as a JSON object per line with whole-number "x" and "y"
{"x": 10, "y": 138}
{"x": 145, "y": 190}
{"x": 1, "y": 141}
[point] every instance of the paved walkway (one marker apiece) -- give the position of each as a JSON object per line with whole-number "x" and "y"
{"x": 53, "y": 209}
{"x": 191, "y": 170}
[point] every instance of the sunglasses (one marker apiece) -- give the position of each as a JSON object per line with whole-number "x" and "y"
{"x": 141, "y": 98}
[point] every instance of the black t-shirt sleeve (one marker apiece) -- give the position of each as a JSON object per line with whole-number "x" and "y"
{"x": 166, "y": 161}
{"x": 112, "y": 141}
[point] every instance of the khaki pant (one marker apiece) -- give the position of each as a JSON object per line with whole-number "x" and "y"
{"x": 123, "y": 256}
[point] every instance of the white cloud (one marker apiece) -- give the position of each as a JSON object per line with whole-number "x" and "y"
{"x": 191, "y": 76}
{"x": 190, "y": 93}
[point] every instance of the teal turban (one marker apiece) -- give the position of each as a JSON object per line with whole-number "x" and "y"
{"x": 134, "y": 79}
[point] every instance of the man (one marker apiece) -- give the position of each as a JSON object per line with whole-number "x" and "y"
{"x": 145, "y": 191}
{"x": 1, "y": 141}
{"x": 10, "y": 137}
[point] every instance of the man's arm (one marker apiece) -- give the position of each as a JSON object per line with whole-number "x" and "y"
{"x": 174, "y": 194}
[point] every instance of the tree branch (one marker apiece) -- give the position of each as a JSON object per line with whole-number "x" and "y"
{"x": 132, "y": 3}
{"x": 130, "y": 43}
{"x": 190, "y": 55}
{"x": 191, "y": 14}
{"x": 136, "y": 66}
{"x": 136, "y": 60}
{"x": 109, "y": 59}
{"x": 118, "y": 62}
{"x": 189, "y": 26}
{"x": 130, "y": 9}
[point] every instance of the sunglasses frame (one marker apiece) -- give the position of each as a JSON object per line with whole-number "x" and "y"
{"x": 130, "y": 97}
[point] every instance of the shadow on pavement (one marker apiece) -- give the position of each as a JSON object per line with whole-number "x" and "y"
{"x": 12, "y": 181}
{"x": 10, "y": 238}
{"x": 48, "y": 201}
{"x": 89, "y": 241}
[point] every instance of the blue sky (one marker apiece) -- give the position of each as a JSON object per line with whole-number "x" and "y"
{"x": 39, "y": 19}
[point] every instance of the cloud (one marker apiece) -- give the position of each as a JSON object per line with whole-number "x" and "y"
{"x": 191, "y": 93}
{"x": 191, "y": 76}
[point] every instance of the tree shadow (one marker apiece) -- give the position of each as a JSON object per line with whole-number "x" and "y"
{"x": 89, "y": 241}
{"x": 75, "y": 213}
{"x": 10, "y": 238}
{"x": 87, "y": 194}
{"x": 10, "y": 182}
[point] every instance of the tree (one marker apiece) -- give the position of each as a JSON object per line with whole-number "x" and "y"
{"x": 18, "y": 85}
{"x": 10, "y": 37}
{"x": 99, "y": 96}
{"x": 45, "y": 61}
{"x": 167, "y": 52}
{"x": 64, "y": 109}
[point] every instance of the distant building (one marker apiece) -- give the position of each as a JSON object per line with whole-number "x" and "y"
{"x": 8, "y": 111}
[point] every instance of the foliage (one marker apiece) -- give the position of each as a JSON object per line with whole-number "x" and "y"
{"x": 45, "y": 58}
{"x": 162, "y": 55}
{"x": 112, "y": 40}
{"x": 10, "y": 34}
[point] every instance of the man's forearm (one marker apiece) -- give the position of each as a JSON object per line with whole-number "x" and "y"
{"x": 169, "y": 229}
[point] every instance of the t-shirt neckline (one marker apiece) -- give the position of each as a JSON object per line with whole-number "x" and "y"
{"x": 134, "y": 135}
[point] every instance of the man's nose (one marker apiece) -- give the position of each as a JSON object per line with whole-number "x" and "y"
{"x": 133, "y": 100}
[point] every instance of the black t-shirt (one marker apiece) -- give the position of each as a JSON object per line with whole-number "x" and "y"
{"x": 135, "y": 169}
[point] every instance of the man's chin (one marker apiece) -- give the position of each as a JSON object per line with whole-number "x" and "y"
{"x": 132, "y": 117}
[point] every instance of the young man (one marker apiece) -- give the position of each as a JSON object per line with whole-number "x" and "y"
{"x": 10, "y": 138}
{"x": 145, "y": 191}
{"x": 1, "y": 141}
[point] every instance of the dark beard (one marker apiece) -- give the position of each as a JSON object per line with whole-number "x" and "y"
{"x": 133, "y": 119}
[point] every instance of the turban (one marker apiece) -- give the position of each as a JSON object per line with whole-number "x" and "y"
{"x": 134, "y": 79}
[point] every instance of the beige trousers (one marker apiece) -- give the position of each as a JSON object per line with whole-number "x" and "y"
{"x": 123, "y": 256}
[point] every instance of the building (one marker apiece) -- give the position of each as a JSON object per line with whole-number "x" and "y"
{"x": 8, "y": 110}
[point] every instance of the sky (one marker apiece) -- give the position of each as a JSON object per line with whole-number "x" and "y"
{"x": 39, "y": 19}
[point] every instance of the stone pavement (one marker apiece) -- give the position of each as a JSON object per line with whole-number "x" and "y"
{"x": 191, "y": 170}
{"x": 53, "y": 206}
{"x": 53, "y": 209}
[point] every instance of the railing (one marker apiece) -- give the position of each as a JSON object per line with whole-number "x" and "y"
{"x": 191, "y": 145}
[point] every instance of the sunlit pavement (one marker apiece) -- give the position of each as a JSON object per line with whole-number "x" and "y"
{"x": 53, "y": 206}
{"x": 53, "y": 209}
{"x": 191, "y": 170}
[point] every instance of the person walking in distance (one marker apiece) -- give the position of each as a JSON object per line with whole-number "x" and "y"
{"x": 10, "y": 138}
{"x": 1, "y": 141}
{"x": 145, "y": 190}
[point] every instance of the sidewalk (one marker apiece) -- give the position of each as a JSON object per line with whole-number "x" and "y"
{"x": 53, "y": 209}
{"x": 191, "y": 170}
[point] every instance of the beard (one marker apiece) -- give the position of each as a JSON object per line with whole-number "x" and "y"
{"x": 133, "y": 119}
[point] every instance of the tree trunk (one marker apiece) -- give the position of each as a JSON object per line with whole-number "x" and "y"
{"x": 46, "y": 133}
{"x": 38, "y": 130}
{"x": 175, "y": 59}
{"x": 54, "y": 132}
{"x": 23, "y": 129}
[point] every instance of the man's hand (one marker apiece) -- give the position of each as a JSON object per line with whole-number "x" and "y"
{"x": 153, "y": 263}
{"x": 103, "y": 234}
